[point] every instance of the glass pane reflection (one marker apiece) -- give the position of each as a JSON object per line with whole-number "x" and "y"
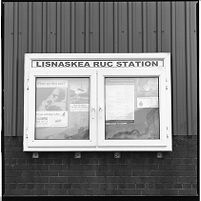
{"x": 132, "y": 108}
{"x": 62, "y": 108}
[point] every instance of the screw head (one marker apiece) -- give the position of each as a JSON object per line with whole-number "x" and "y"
{"x": 117, "y": 155}
{"x": 77, "y": 155}
{"x": 159, "y": 155}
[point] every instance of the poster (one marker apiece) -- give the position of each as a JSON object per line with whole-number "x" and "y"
{"x": 51, "y": 119}
{"x": 120, "y": 102}
{"x": 147, "y": 102}
{"x": 147, "y": 87}
{"x": 79, "y": 107}
{"x": 51, "y": 102}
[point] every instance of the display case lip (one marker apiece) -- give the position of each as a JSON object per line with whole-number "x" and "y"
{"x": 99, "y": 149}
{"x": 156, "y": 54}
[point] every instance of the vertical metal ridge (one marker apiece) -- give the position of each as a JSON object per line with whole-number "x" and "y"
{"x": 94, "y": 27}
{"x": 101, "y": 27}
{"x": 87, "y": 26}
{"x": 137, "y": 30}
{"x": 30, "y": 25}
{"x": 115, "y": 28}
{"x": 134, "y": 35}
{"x": 158, "y": 26}
{"x": 181, "y": 68}
{"x": 144, "y": 26}
{"x": 119, "y": 22}
{"x": 8, "y": 68}
{"x": 61, "y": 28}
{"x": 72, "y": 37}
{"x": 123, "y": 27}
{"x": 90, "y": 25}
{"x": 104, "y": 25}
{"x": 166, "y": 27}
{"x": 36, "y": 27}
{"x": 22, "y": 48}
{"x": 15, "y": 66}
{"x": 44, "y": 26}
{"x": 108, "y": 28}
{"x": 174, "y": 73}
{"x": 130, "y": 27}
{"x": 193, "y": 65}
{"x": 80, "y": 27}
{"x": 188, "y": 74}
{"x": 58, "y": 27}
{"x": 65, "y": 26}
{"x": 51, "y": 26}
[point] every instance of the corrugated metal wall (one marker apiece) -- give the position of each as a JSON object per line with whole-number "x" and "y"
{"x": 102, "y": 27}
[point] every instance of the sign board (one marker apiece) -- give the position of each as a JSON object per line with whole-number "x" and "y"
{"x": 70, "y": 63}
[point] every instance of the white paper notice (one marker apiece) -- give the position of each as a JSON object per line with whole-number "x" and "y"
{"x": 79, "y": 107}
{"x": 51, "y": 83}
{"x": 120, "y": 102}
{"x": 147, "y": 102}
{"x": 51, "y": 119}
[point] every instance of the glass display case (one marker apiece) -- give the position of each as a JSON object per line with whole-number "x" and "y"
{"x": 76, "y": 102}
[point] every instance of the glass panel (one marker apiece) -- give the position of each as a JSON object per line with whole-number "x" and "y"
{"x": 132, "y": 108}
{"x": 62, "y": 108}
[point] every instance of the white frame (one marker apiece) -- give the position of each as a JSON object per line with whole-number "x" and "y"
{"x": 97, "y": 140}
{"x": 31, "y": 144}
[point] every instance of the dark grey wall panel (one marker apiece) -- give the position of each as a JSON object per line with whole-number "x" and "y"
{"x": 8, "y": 71}
{"x": 94, "y": 27}
{"x": 159, "y": 26}
{"x": 180, "y": 68}
{"x": 193, "y": 66}
{"x": 51, "y": 27}
{"x": 14, "y": 68}
{"x": 173, "y": 69}
{"x": 36, "y": 28}
{"x": 115, "y": 28}
{"x": 22, "y": 41}
{"x": 65, "y": 26}
{"x": 80, "y": 32}
{"x": 151, "y": 30}
{"x": 123, "y": 27}
{"x": 109, "y": 26}
{"x": 137, "y": 26}
{"x": 103, "y": 27}
{"x": 166, "y": 27}
{"x": 58, "y": 27}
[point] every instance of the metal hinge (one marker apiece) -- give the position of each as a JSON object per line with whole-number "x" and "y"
{"x": 167, "y": 133}
{"x": 27, "y": 84}
{"x": 26, "y": 134}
